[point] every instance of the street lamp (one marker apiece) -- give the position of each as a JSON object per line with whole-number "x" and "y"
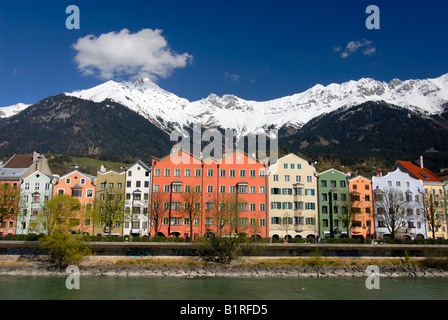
{"x": 174, "y": 183}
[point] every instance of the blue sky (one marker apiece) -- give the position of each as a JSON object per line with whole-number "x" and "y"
{"x": 257, "y": 50}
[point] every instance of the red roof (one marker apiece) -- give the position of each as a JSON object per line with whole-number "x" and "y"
{"x": 420, "y": 173}
{"x": 20, "y": 161}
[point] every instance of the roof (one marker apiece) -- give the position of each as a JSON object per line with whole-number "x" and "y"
{"x": 19, "y": 161}
{"x": 418, "y": 172}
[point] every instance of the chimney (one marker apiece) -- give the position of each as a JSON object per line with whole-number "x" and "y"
{"x": 421, "y": 162}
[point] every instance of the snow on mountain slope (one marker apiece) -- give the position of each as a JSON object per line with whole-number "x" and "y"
{"x": 7, "y": 112}
{"x": 166, "y": 109}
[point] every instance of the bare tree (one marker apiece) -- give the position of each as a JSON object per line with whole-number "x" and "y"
{"x": 191, "y": 207}
{"x": 158, "y": 210}
{"x": 109, "y": 209}
{"x": 392, "y": 209}
{"x": 433, "y": 216}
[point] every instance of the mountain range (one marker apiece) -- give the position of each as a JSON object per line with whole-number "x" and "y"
{"x": 355, "y": 118}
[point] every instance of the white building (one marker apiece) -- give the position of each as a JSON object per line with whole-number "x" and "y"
{"x": 403, "y": 191}
{"x": 137, "y": 195}
{"x": 293, "y": 205}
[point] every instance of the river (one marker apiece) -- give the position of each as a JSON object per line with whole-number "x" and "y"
{"x": 129, "y": 288}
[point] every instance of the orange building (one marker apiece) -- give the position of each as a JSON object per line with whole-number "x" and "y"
{"x": 82, "y": 187}
{"x": 223, "y": 196}
{"x": 361, "y": 208}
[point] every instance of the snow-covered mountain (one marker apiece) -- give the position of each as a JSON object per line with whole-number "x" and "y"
{"x": 167, "y": 110}
{"x": 7, "y": 112}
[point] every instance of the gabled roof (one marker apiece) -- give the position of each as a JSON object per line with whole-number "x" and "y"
{"x": 417, "y": 171}
{"x": 140, "y": 163}
{"x": 88, "y": 176}
{"x": 19, "y": 161}
{"x": 332, "y": 169}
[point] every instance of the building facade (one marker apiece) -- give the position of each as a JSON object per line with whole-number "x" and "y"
{"x": 293, "y": 205}
{"x": 109, "y": 203}
{"x": 137, "y": 201}
{"x": 192, "y": 196}
{"x": 333, "y": 198}
{"x": 399, "y": 209}
{"x": 80, "y": 186}
{"x": 434, "y": 204}
{"x": 11, "y": 173}
{"x": 35, "y": 190}
{"x": 361, "y": 208}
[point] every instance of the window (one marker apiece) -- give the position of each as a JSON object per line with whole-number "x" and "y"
{"x": 222, "y": 172}
{"x": 252, "y": 207}
{"x": 292, "y": 166}
{"x": 67, "y": 181}
{"x": 275, "y": 177}
{"x": 342, "y": 184}
{"x": 398, "y": 184}
{"x": 285, "y": 166}
{"x": 261, "y": 189}
{"x": 262, "y": 207}
{"x": 137, "y": 184}
{"x": 276, "y": 205}
{"x": 222, "y": 189}
{"x": 355, "y": 187}
{"x": 275, "y": 191}
{"x": 286, "y": 177}
{"x": 242, "y": 173}
{"x": 333, "y": 183}
{"x": 177, "y": 188}
{"x": 167, "y": 172}
{"x": 77, "y": 193}
{"x": 232, "y": 173}
{"x": 187, "y": 172}
{"x": 177, "y": 172}
{"x": 309, "y": 178}
{"x": 275, "y": 220}
{"x": 89, "y": 193}
{"x": 324, "y": 197}
{"x": 83, "y": 181}
{"x": 323, "y": 183}
{"x": 27, "y": 186}
{"x": 252, "y": 173}
{"x": 210, "y": 189}
{"x": 209, "y": 172}
{"x": 298, "y": 178}
{"x": 37, "y": 186}
{"x": 129, "y": 173}
{"x": 231, "y": 189}
{"x": 197, "y": 172}
{"x": 157, "y": 172}
{"x": 252, "y": 189}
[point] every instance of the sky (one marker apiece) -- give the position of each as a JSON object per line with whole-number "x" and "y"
{"x": 256, "y": 50}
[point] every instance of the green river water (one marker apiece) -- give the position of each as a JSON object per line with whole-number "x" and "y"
{"x": 123, "y": 288}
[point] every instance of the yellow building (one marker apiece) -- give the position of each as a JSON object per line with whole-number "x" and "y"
{"x": 109, "y": 203}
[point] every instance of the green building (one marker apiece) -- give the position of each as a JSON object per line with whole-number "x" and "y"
{"x": 35, "y": 190}
{"x": 333, "y": 193}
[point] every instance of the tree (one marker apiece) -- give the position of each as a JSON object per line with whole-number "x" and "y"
{"x": 392, "y": 209}
{"x": 63, "y": 213}
{"x": 191, "y": 207}
{"x": 64, "y": 241}
{"x": 433, "y": 216}
{"x": 158, "y": 210}
{"x": 109, "y": 209}
{"x": 9, "y": 202}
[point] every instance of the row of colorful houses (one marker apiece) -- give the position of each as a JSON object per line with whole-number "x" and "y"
{"x": 236, "y": 194}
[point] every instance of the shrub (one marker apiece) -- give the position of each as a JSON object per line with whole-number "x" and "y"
{"x": 64, "y": 248}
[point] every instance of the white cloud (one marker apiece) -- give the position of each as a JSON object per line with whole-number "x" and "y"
{"x": 233, "y": 77}
{"x": 144, "y": 54}
{"x": 366, "y": 46}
